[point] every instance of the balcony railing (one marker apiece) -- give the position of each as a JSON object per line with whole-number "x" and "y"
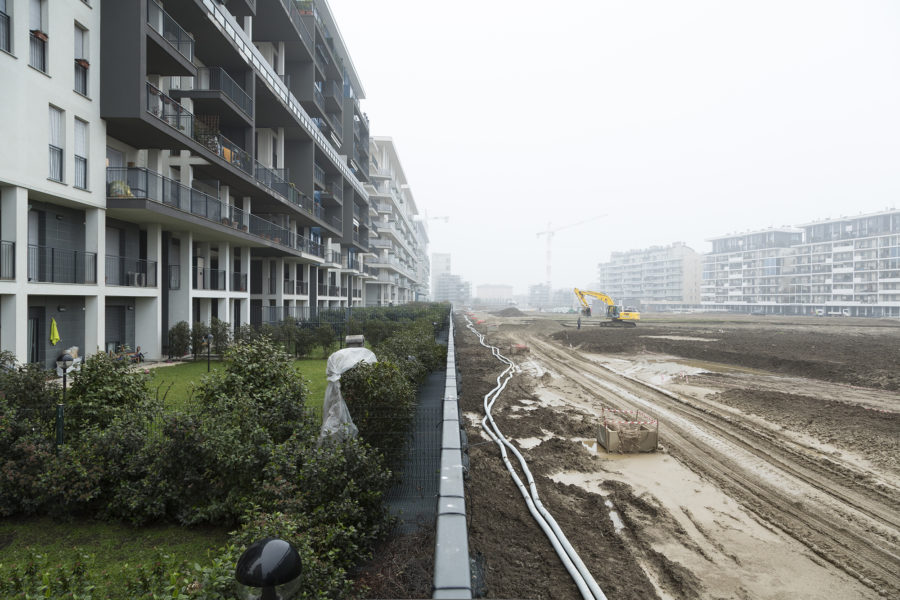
{"x": 336, "y": 189}
{"x": 57, "y": 265}
{"x": 209, "y": 279}
{"x": 323, "y": 289}
{"x": 166, "y": 26}
{"x": 4, "y": 32}
{"x": 81, "y": 172}
{"x": 216, "y": 78}
{"x": 336, "y": 222}
{"x": 56, "y": 163}
{"x": 81, "y": 76}
{"x": 319, "y": 98}
{"x": 274, "y": 179}
{"x": 238, "y": 282}
{"x": 130, "y": 272}
{"x": 7, "y": 260}
{"x": 319, "y": 175}
{"x": 336, "y": 125}
{"x": 334, "y": 290}
{"x": 37, "y": 56}
{"x": 174, "y": 277}
{"x": 169, "y": 110}
{"x": 297, "y": 20}
{"x": 302, "y": 288}
{"x": 289, "y": 286}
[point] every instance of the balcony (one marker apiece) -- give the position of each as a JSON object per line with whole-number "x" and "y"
{"x": 174, "y": 277}
{"x": 37, "y": 55}
{"x": 323, "y": 289}
{"x": 215, "y": 90}
{"x": 130, "y": 272}
{"x": 57, "y": 265}
{"x": 289, "y": 286}
{"x": 238, "y": 282}
{"x": 334, "y": 95}
{"x": 336, "y": 126}
{"x": 163, "y": 24}
{"x": 319, "y": 176}
{"x": 209, "y": 279}
{"x": 334, "y": 290}
{"x": 7, "y": 260}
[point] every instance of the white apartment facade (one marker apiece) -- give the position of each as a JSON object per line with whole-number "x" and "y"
{"x": 846, "y": 266}
{"x": 398, "y": 263}
{"x": 657, "y": 277}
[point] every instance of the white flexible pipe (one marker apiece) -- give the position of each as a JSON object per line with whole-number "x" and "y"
{"x": 567, "y": 554}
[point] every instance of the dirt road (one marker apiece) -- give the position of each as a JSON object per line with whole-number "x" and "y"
{"x": 768, "y": 484}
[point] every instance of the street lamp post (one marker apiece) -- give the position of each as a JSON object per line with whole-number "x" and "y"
{"x": 63, "y": 362}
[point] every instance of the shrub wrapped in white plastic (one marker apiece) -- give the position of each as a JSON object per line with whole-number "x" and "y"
{"x": 336, "y": 420}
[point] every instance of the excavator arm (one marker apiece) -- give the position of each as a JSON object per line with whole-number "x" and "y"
{"x": 618, "y": 315}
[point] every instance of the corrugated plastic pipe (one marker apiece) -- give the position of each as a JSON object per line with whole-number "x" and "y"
{"x": 571, "y": 560}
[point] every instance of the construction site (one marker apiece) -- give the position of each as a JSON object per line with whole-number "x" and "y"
{"x": 702, "y": 455}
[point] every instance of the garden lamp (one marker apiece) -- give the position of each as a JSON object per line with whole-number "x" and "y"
{"x": 63, "y": 362}
{"x": 269, "y": 569}
{"x": 209, "y": 339}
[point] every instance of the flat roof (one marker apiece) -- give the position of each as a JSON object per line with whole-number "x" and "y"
{"x": 842, "y": 219}
{"x": 755, "y": 232}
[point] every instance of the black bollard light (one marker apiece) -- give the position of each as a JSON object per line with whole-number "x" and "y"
{"x": 269, "y": 569}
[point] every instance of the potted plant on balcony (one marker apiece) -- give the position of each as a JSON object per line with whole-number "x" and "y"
{"x": 82, "y": 62}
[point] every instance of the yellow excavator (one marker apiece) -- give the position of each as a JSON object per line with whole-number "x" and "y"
{"x": 618, "y": 315}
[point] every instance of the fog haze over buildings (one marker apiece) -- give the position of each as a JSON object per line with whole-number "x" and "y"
{"x": 678, "y": 121}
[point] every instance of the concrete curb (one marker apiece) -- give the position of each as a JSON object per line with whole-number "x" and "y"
{"x": 452, "y": 576}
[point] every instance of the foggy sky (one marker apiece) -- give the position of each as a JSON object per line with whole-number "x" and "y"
{"x": 678, "y": 121}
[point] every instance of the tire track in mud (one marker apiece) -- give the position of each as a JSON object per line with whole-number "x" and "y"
{"x": 856, "y": 528}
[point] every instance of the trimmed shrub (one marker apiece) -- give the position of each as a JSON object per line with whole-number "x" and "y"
{"x": 221, "y": 331}
{"x": 381, "y": 401}
{"x": 198, "y": 338}
{"x": 179, "y": 339}
{"x": 324, "y": 337}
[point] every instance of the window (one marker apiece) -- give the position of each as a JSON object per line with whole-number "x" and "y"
{"x": 39, "y": 38}
{"x": 81, "y": 154}
{"x": 4, "y": 28}
{"x": 57, "y": 124}
{"x": 81, "y": 62}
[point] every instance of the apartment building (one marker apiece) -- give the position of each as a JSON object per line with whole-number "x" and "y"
{"x": 398, "y": 264}
{"x": 177, "y": 160}
{"x": 846, "y": 266}
{"x": 657, "y": 277}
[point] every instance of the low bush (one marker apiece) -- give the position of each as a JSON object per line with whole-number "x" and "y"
{"x": 179, "y": 339}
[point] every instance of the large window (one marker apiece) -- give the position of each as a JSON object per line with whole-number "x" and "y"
{"x": 57, "y": 141}
{"x": 81, "y": 154}
{"x": 4, "y": 28}
{"x": 39, "y": 38}
{"x": 81, "y": 60}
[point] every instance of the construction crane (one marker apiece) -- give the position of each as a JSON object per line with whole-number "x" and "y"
{"x": 550, "y": 232}
{"x": 618, "y": 315}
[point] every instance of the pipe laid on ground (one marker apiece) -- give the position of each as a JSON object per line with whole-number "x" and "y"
{"x": 567, "y": 554}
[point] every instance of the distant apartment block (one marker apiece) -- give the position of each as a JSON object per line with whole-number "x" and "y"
{"x": 840, "y": 266}
{"x": 494, "y": 294}
{"x": 399, "y": 265}
{"x": 451, "y": 288}
{"x": 657, "y": 276}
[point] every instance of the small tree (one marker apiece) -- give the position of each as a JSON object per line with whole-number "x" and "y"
{"x": 221, "y": 331}
{"x": 324, "y": 337}
{"x": 179, "y": 339}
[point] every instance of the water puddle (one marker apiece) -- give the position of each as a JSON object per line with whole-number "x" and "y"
{"x": 618, "y": 525}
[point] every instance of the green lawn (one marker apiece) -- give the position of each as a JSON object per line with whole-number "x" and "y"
{"x": 107, "y": 545}
{"x": 184, "y": 376}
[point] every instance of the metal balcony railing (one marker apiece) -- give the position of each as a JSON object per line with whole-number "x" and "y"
{"x": 289, "y": 286}
{"x": 355, "y": 237}
{"x": 171, "y": 31}
{"x": 297, "y": 20}
{"x": 318, "y": 98}
{"x": 81, "y": 172}
{"x": 56, "y": 163}
{"x": 81, "y": 76}
{"x": 336, "y": 125}
{"x": 302, "y": 288}
{"x": 319, "y": 175}
{"x": 37, "y": 56}
{"x": 167, "y": 109}
{"x": 336, "y": 189}
{"x": 238, "y": 282}
{"x": 323, "y": 289}
{"x": 57, "y": 265}
{"x": 208, "y": 279}
{"x": 7, "y": 260}
{"x": 130, "y": 272}
{"x": 174, "y": 277}
{"x": 336, "y": 222}
{"x": 216, "y": 78}
{"x": 319, "y": 211}
{"x": 4, "y": 32}
{"x": 334, "y": 290}
{"x": 274, "y": 179}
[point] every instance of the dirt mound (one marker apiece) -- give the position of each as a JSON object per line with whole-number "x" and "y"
{"x": 509, "y": 312}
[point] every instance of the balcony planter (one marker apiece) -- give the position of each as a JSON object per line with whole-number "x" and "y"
{"x": 82, "y": 63}
{"x": 40, "y": 35}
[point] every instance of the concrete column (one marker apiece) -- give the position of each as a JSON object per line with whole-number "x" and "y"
{"x": 154, "y": 250}
{"x": 147, "y": 330}
{"x": 279, "y": 280}
{"x": 14, "y": 324}
{"x": 94, "y": 324}
{"x": 180, "y": 299}
{"x": 225, "y": 264}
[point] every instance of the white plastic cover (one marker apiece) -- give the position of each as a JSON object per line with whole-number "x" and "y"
{"x": 336, "y": 421}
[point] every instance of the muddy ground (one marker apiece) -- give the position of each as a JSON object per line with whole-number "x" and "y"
{"x": 777, "y": 474}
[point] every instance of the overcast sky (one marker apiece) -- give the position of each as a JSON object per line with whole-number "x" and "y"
{"x": 673, "y": 120}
